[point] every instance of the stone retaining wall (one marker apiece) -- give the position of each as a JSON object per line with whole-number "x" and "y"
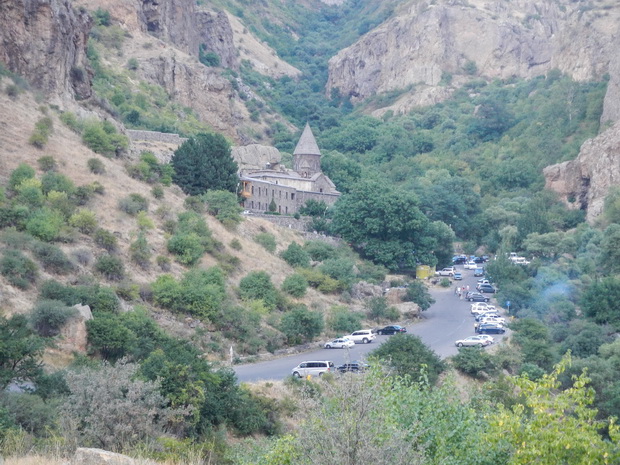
{"x": 155, "y": 136}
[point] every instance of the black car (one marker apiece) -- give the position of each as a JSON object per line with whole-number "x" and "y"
{"x": 487, "y": 288}
{"x": 352, "y": 367}
{"x": 478, "y": 260}
{"x": 392, "y": 329}
{"x": 459, "y": 260}
{"x": 477, "y": 297}
{"x": 490, "y": 328}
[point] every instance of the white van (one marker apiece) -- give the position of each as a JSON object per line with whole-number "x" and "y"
{"x": 313, "y": 368}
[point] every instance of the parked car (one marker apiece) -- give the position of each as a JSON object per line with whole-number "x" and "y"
{"x": 487, "y": 314}
{"x": 340, "y": 343}
{"x": 364, "y": 336}
{"x": 489, "y": 328}
{"x": 459, "y": 259}
{"x": 498, "y": 320}
{"x": 483, "y": 281}
{"x": 478, "y": 260}
{"x": 487, "y": 338}
{"x": 486, "y": 288}
{"x": 313, "y": 368}
{"x": 392, "y": 329}
{"x": 457, "y": 276}
{"x": 477, "y": 297}
{"x": 470, "y": 265}
{"x": 478, "y": 308}
{"x": 472, "y": 341}
{"x": 353, "y": 367}
{"x": 479, "y": 272}
{"x": 446, "y": 272}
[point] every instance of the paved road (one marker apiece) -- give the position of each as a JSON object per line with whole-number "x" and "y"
{"x": 447, "y": 320}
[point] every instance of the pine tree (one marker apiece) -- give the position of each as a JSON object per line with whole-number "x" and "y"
{"x": 204, "y": 162}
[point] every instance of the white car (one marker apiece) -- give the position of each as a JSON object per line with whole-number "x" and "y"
{"x": 340, "y": 343}
{"x": 487, "y": 337}
{"x": 446, "y": 272}
{"x": 470, "y": 265}
{"x": 481, "y": 307}
{"x": 491, "y": 319}
{"x": 363, "y": 336}
{"x": 472, "y": 341}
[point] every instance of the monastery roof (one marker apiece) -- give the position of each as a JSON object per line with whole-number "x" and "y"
{"x": 307, "y": 143}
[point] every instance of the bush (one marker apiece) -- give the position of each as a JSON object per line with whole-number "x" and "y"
{"x": 268, "y": 241}
{"x": 84, "y": 220}
{"x": 473, "y": 361}
{"x": 95, "y": 166}
{"x": 342, "y": 320}
{"x": 102, "y": 138}
{"x": 71, "y": 121}
{"x": 163, "y": 262}
{"x": 47, "y": 163}
{"x": 319, "y": 250}
{"x": 296, "y": 256}
{"x": 133, "y": 204}
{"x": 42, "y": 130}
{"x": 418, "y": 293}
{"x": 258, "y": 285}
{"x": 18, "y": 269}
{"x": 377, "y": 309}
{"x": 187, "y": 248}
{"x": 49, "y": 316}
{"x": 12, "y": 91}
{"x": 105, "y": 239}
{"x": 30, "y": 412}
{"x": 30, "y": 193}
{"x": 295, "y": 285}
{"x": 20, "y": 174}
{"x": 111, "y": 267}
{"x": 56, "y": 182}
{"x": 52, "y": 258}
{"x": 235, "y": 244}
{"x": 45, "y": 224}
{"x": 140, "y": 251}
{"x": 301, "y": 325}
{"x": 407, "y": 355}
{"x": 83, "y": 194}
{"x": 194, "y": 203}
{"x": 157, "y": 192}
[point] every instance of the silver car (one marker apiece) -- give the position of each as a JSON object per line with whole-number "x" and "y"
{"x": 473, "y": 341}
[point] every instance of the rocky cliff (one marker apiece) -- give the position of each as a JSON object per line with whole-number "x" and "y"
{"x": 45, "y": 40}
{"x": 432, "y": 44}
{"x": 584, "y": 183}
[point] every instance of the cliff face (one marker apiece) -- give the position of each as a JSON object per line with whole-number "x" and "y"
{"x": 584, "y": 183}
{"x": 45, "y": 41}
{"x": 491, "y": 39}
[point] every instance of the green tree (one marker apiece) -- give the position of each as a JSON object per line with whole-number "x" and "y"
{"x": 20, "y": 351}
{"x": 301, "y": 325}
{"x": 552, "y": 426}
{"x": 385, "y": 226}
{"x": 204, "y": 163}
{"x": 295, "y": 285}
{"x": 224, "y": 205}
{"x": 258, "y": 285}
{"x": 601, "y": 301}
{"x": 418, "y": 293}
{"x": 408, "y": 355}
{"x": 295, "y": 255}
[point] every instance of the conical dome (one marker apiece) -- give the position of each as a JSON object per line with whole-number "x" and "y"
{"x": 307, "y": 143}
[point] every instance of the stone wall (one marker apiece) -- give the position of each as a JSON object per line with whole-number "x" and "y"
{"x": 154, "y": 136}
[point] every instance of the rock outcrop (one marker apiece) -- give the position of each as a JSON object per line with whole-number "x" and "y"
{"x": 86, "y": 456}
{"x": 584, "y": 183}
{"x": 447, "y": 42}
{"x": 45, "y": 40}
{"x": 74, "y": 336}
{"x": 256, "y": 156}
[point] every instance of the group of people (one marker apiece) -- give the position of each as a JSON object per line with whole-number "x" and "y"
{"x": 461, "y": 290}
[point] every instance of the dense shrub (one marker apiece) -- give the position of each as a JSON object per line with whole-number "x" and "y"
{"x": 188, "y": 248}
{"x": 235, "y": 244}
{"x": 418, "y": 293}
{"x": 301, "y": 325}
{"x": 45, "y": 224}
{"x": 258, "y": 285}
{"x": 111, "y": 267}
{"x": 29, "y": 193}
{"x": 224, "y": 205}
{"x": 95, "y": 166}
{"x": 18, "y": 269}
{"x": 295, "y": 255}
{"x": 101, "y": 137}
{"x": 52, "y": 258}
{"x": 319, "y": 250}
{"x": 30, "y": 412}
{"x": 48, "y": 316}
{"x": 56, "y": 182}
{"x": 47, "y": 163}
{"x": 84, "y": 220}
{"x": 268, "y": 241}
{"x": 342, "y": 320}
{"x": 473, "y": 361}
{"x": 377, "y": 309}
{"x": 41, "y": 133}
{"x": 105, "y": 239}
{"x": 133, "y": 204}
{"x": 320, "y": 280}
{"x": 140, "y": 251}
{"x": 295, "y": 285}
{"x": 71, "y": 121}
{"x": 408, "y": 355}
{"x": 20, "y": 174}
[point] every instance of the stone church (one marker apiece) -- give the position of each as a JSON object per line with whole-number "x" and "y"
{"x": 288, "y": 189}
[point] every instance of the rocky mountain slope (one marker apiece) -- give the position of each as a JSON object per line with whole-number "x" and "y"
{"x": 434, "y": 46}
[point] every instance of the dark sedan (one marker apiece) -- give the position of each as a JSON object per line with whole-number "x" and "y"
{"x": 477, "y": 297}
{"x": 392, "y": 329}
{"x": 490, "y": 328}
{"x": 487, "y": 288}
{"x": 352, "y": 367}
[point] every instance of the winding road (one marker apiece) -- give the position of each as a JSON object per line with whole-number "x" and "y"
{"x": 447, "y": 320}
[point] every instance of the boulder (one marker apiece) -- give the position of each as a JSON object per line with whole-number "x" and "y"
{"x": 86, "y": 456}
{"x": 74, "y": 334}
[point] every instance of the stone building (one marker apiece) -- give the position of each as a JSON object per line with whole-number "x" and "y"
{"x": 288, "y": 189}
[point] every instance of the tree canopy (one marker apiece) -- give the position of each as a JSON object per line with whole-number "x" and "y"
{"x": 204, "y": 162}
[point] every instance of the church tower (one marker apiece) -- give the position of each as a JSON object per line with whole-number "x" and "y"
{"x": 307, "y": 157}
